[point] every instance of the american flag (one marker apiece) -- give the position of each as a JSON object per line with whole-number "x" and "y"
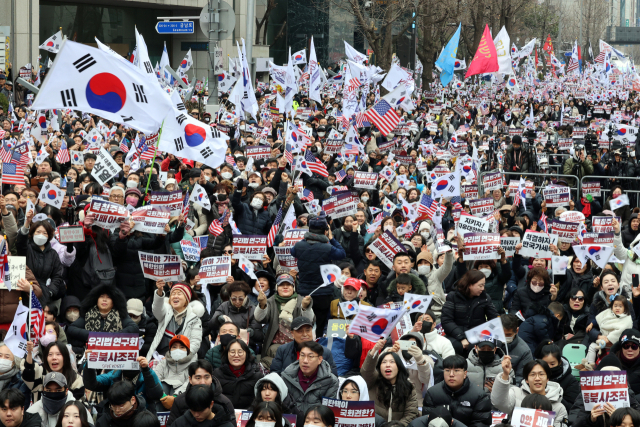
{"x": 274, "y": 228}
{"x": 413, "y": 231}
{"x": 215, "y": 228}
{"x": 146, "y": 152}
{"x": 11, "y": 175}
{"x": 2, "y": 134}
{"x": 494, "y": 121}
{"x": 5, "y": 153}
{"x": 340, "y": 175}
{"x": 230, "y": 159}
{"x": 305, "y": 195}
{"x": 63, "y": 154}
{"x": 4, "y": 270}
{"x": 185, "y": 205}
{"x": 350, "y": 149}
{"x": 516, "y": 198}
{"x": 124, "y": 145}
{"x": 428, "y": 206}
{"x": 315, "y": 165}
{"x": 456, "y": 202}
{"x": 37, "y": 318}
{"x": 600, "y": 58}
{"x": 543, "y": 218}
{"x": 383, "y": 116}
{"x": 288, "y": 154}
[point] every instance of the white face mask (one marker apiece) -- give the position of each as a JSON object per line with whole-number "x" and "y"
{"x": 425, "y": 235}
{"x": 254, "y": 185}
{"x": 510, "y": 339}
{"x": 178, "y": 354}
{"x": 486, "y": 272}
{"x": 265, "y": 424}
{"x": 256, "y": 203}
{"x": 40, "y": 239}
{"x": 131, "y": 184}
{"x": 226, "y": 175}
{"x": 5, "y": 365}
{"x": 364, "y": 199}
{"x": 537, "y": 289}
{"x": 424, "y": 269}
{"x": 207, "y": 178}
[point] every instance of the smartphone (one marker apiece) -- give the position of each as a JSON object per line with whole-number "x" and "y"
{"x": 70, "y": 191}
{"x": 405, "y": 345}
{"x": 634, "y": 280}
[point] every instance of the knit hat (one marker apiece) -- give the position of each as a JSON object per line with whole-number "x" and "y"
{"x": 182, "y": 339}
{"x": 609, "y": 361}
{"x": 426, "y": 255}
{"x": 133, "y": 191}
{"x": 184, "y": 288}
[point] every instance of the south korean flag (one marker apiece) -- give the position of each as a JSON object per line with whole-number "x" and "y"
{"x": 52, "y": 44}
{"x": 417, "y": 303}
{"x": 51, "y": 195}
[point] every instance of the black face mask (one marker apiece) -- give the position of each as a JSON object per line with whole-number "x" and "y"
{"x": 53, "y": 401}
{"x": 426, "y": 327}
{"x": 556, "y": 371}
{"x": 225, "y": 339}
{"x": 486, "y": 357}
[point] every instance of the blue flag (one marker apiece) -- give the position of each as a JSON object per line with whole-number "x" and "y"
{"x": 447, "y": 59}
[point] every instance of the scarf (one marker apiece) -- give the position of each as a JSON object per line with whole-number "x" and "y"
{"x": 6, "y": 377}
{"x": 93, "y": 321}
{"x": 586, "y": 210}
{"x": 179, "y": 317}
{"x": 237, "y": 372}
{"x": 283, "y": 300}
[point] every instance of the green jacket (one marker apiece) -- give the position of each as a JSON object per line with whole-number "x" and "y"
{"x": 586, "y": 168}
{"x": 214, "y": 356}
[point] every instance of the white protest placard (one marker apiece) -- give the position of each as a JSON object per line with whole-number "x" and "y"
{"x": 105, "y": 167}
{"x": 71, "y": 234}
{"x": 481, "y": 207}
{"x": 253, "y": 247}
{"x": 17, "y": 270}
{"x": 386, "y": 246}
{"x": 566, "y": 231}
{"x": 365, "y": 180}
{"x": 481, "y": 246}
{"x": 557, "y": 196}
{"x": 600, "y": 387}
{"x": 492, "y": 181}
{"x": 509, "y": 245}
{"x": 151, "y": 219}
{"x": 536, "y": 244}
{"x": 525, "y": 417}
{"x": 107, "y": 214}
{"x": 352, "y": 413}
{"x": 471, "y": 224}
{"x": 113, "y": 351}
{"x": 161, "y": 267}
{"x": 215, "y": 269}
{"x": 190, "y": 250}
{"x": 592, "y": 188}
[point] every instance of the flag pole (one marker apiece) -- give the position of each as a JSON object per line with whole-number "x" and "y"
{"x": 29, "y": 328}
{"x": 153, "y": 161}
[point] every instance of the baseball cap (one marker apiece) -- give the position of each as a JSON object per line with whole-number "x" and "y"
{"x": 299, "y": 322}
{"x": 354, "y": 283}
{"x": 134, "y": 306}
{"x": 55, "y": 377}
{"x": 284, "y": 277}
{"x": 490, "y": 343}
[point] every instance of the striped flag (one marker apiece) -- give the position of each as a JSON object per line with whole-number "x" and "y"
{"x": 383, "y": 116}
{"x": 124, "y": 145}
{"x": 185, "y": 205}
{"x": 215, "y": 228}
{"x": 455, "y": 201}
{"x": 313, "y": 164}
{"x": 306, "y": 195}
{"x": 11, "y": 174}
{"x": 340, "y": 175}
{"x": 63, "y": 153}
{"x": 494, "y": 121}
{"x": 543, "y": 218}
{"x": 5, "y": 153}
{"x": 37, "y": 318}
{"x": 427, "y": 206}
{"x": 4, "y": 270}
{"x": 274, "y": 228}
{"x": 287, "y": 153}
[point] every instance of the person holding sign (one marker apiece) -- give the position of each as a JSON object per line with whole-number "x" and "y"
{"x": 505, "y": 397}
{"x": 253, "y": 218}
{"x": 389, "y": 385}
{"x": 630, "y": 259}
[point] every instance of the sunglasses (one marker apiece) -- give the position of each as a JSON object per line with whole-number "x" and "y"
{"x": 577, "y": 298}
{"x": 227, "y": 252}
{"x": 630, "y": 345}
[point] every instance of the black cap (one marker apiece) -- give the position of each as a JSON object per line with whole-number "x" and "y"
{"x": 299, "y": 322}
{"x": 517, "y": 139}
{"x": 630, "y": 335}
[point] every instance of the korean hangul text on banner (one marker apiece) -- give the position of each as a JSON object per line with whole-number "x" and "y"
{"x": 471, "y": 224}
{"x": 492, "y": 181}
{"x": 386, "y": 246}
{"x": 600, "y": 387}
{"x": 352, "y": 413}
{"x": 190, "y": 250}
{"x": 557, "y": 196}
{"x": 536, "y": 244}
{"x": 470, "y": 191}
{"x": 481, "y": 246}
{"x": 366, "y": 180}
{"x": 603, "y": 224}
{"x": 509, "y": 245}
{"x": 251, "y": 246}
{"x": 592, "y": 188}
{"x": 525, "y": 417}
{"x": 566, "y": 231}
{"x": 258, "y": 152}
{"x": 215, "y": 269}
{"x": 597, "y": 239}
{"x": 150, "y": 219}
{"x": 481, "y": 207}
{"x": 107, "y": 214}
{"x": 105, "y": 167}
{"x": 161, "y": 267}
{"x": 113, "y": 351}
{"x": 341, "y": 204}
{"x": 172, "y": 199}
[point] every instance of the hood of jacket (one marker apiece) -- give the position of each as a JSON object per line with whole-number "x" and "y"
{"x": 553, "y": 391}
{"x": 362, "y": 386}
{"x": 417, "y": 285}
{"x": 277, "y": 381}
{"x": 418, "y": 336}
{"x": 198, "y": 308}
{"x": 68, "y": 302}
{"x": 497, "y": 358}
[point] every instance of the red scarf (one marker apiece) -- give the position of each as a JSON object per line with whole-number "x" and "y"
{"x": 237, "y": 372}
{"x": 586, "y": 210}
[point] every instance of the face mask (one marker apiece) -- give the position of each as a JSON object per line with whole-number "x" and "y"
{"x": 84, "y": 185}
{"x": 265, "y": 424}
{"x": 256, "y": 203}
{"x": 425, "y": 235}
{"x": 5, "y": 365}
{"x": 266, "y": 291}
{"x": 40, "y": 239}
{"x": 254, "y": 185}
{"x": 132, "y": 201}
{"x": 319, "y": 150}
{"x": 536, "y": 289}
{"x": 321, "y": 134}
{"x": 486, "y": 272}
{"x": 73, "y": 316}
{"x": 178, "y": 354}
{"x": 225, "y": 339}
{"x": 556, "y": 371}
{"x": 426, "y": 327}
{"x": 486, "y": 357}
{"x": 47, "y": 339}
{"x": 226, "y": 175}
{"x": 132, "y": 184}
{"x": 424, "y": 269}
{"x": 53, "y": 401}
{"x": 207, "y": 178}
{"x": 510, "y": 339}
{"x": 364, "y": 199}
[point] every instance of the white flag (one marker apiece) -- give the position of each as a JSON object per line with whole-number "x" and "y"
{"x": 489, "y": 331}
{"x": 16, "y": 338}
{"x": 52, "y": 44}
{"x": 353, "y": 54}
{"x": 249, "y": 102}
{"x": 245, "y": 265}
{"x": 330, "y": 273}
{"x": 502, "y": 48}
{"x": 315, "y": 73}
{"x": 289, "y": 220}
{"x": 164, "y": 61}
{"x": 144, "y": 63}
{"x": 105, "y": 167}
{"x": 373, "y": 323}
{"x": 51, "y": 195}
{"x": 417, "y": 303}
{"x": 87, "y": 79}
{"x": 599, "y": 254}
{"x": 300, "y": 57}
{"x": 199, "y": 196}
{"x": 527, "y": 49}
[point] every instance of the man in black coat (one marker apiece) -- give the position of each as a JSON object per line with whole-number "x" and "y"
{"x": 123, "y": 407}
{"x": 203, "y": 411}
{"x": 12, "y": 413}
{"x": 147, "y": 325}
{"x": 516, "y": 159}
{"x": 467, "y": 404}
{"x": 200, "y": 373}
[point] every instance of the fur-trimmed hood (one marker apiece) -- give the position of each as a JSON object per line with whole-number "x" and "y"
{"x": 118, "y": 298}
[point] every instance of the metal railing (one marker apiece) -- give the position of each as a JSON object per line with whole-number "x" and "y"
{"x": 633, "y": 187}
{"x": 538, "y": 183}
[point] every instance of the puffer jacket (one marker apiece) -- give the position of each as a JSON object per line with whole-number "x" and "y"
{"x": 460, "y": 313}
{"x": 540, "y": 324}
{"x": 578, "y": 416}
{"x": 494, "y": 284}
{"x": 611, "y": 325}
{"x": 214, "y": 356}
{"x": 346, "y": 239}
{"x": 174, "y": 372}
{"x": 583, "y": 281}
{"x": 239, "y": 390}
{"x": 180, "y": 402}
{"x": 243, "y": 318}
{"x": 505, "y": 397}
{"x": 191, "y": 326}
{"x": 478, "y": 373}
{"x": 401, "y": 411}
{"x": 45, "y": 265}
{"x": 146, "y": 384}
{"x": 288, "y": 354}
{"x": 78, "y": 335}
{"x": 631, "y": 266}
{"x": 569, "y": 385}
{"x": 417, "y": 287}
{"x": 311, "y": 252}
{"x": 520, "y": 354}
{"x": 600, "y": 304}
{"x": 248, "y": 220}
{"x": 524, "y": 297}
{"x": 326, "y": 384}
{"x": 434, "y": 281}
{"x": 435, "y": 342}
{"x": 470, "y": 405}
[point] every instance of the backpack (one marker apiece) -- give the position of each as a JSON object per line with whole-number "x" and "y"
{"x": 97, "y": 272}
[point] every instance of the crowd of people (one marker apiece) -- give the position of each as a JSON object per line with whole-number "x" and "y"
{"x": 260, "y": 341}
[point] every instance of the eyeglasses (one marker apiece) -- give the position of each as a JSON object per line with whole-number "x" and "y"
{"x": 540, "y": 375}
{"x": 238, "y": 352}
{"x": 117, "y": 197}
{"x": 237, "y": 299}
{"x": 630, "y": 345}
{"x": 577, "y": 298}
{"x": 309, "y": 357}
{"x": 350, "y": 392}
{"x": 368, "y": 251}
{"x": 537, "y": 283}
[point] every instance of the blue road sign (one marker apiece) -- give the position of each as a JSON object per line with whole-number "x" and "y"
{"x": 174, "y": 27}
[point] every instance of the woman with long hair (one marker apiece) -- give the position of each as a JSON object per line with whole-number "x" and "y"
{"x": 269, "y": 414}
{"x": 74, "y": 414}
{"x": 238, "y": 373}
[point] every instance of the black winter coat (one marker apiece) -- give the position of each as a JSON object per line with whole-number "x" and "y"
{"x": 460, "y": 313}
{"x": 494, "y": 284}
{"x": 540, "y": 324}
{"x": 312, "y": 252}
{"x": 247, "y": 222}
{"x": 583, "y": 281}
{"x": 569, "y": 384}
{"x": 316, "y": 184}
{"x": 524, "y": 297}
{"x": 147, "y": 328}
{"x": 45, "y": 264}
{"x": 476, "y": 412}
{"x": 221, "y": 419}
{"x": 180, "y": 407}
{"x": 29, "y": 420}
{"x": 78, "y": 336}
{"x": 239, "y": 390}
{"x": 580, "y": 417}
{"x": 633, "y": 369}
{"x": 106, "y": 420}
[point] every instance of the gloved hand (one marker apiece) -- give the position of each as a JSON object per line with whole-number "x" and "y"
{"x": 221, "y": 319}
{"x": 250, "y": 332}
{"x": 167, "y": 402}
{"x": 416, "y": 352}
{"x": 239, "y": 184}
